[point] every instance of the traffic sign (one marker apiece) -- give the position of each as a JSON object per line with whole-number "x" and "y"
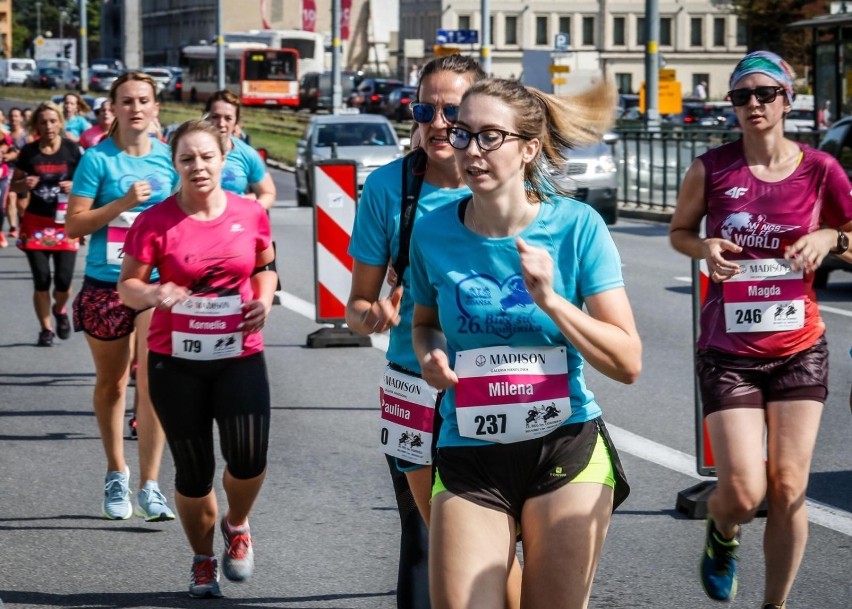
{"x": 556, "y": 69}
{"x": 667, "y": 75}
{"x": 39, "y": 41}
{"x": 561, "y": 41}
{"x": 558, "y": 81}
{"x": 442, "y": 50}
{"x": 457, "y": 36}
{"x": 669, "y": 96}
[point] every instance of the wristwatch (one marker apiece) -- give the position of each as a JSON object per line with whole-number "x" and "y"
{"x": 842, "y": 243}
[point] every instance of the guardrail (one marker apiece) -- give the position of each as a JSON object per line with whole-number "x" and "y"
{"x": 651, "y": 164}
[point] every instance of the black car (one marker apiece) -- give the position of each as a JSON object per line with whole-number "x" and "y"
{"x": 369, "y": 95}
{"x": 837, "y": 141}
{"x": 396, "y": 104}
{"x": 51, "y": 78}
{"x": 315, "y": 89}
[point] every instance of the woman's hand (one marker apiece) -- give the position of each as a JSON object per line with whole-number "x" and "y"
{"x": 718, "y": 267}
{"x": 138, "y": 193}
{"x": 808, "y": 252}
{"x": 435, "y": 369}
{"x": 169, "y": 294}
{"x": 32, "y": 181}
{"x": 65, "y": 186}
{"x": 383, "y": 313}
{"x": 537, "y": 269}
{"x": 254, "y": 317}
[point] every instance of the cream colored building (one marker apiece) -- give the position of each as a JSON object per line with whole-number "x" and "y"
{"x": 6, "y": 27}
{"x": 700, "y": 39}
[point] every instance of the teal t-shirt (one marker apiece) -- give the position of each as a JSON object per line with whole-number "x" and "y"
{"x": 375, "y": 241}
{"x": 243, "y": 167}
{"x": 77, "y": 125}
{"x": 476, "y": 284}
{"x": 105, "y": 174}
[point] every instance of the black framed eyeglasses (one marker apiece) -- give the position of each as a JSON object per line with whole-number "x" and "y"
{"x": 487, "y": 139}
{"x": 425, "y": 113}
{"x": 764, "y": 95}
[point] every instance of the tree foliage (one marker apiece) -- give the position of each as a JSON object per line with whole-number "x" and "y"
{"x": 25, "y": 20}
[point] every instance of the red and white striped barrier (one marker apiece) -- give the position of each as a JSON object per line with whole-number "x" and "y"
{"x": 335, "y": 191}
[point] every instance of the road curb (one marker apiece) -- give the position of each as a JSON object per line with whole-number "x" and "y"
{"x": 653, "y": 215}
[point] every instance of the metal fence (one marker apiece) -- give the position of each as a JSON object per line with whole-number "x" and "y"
{"x": 651, "y": 164}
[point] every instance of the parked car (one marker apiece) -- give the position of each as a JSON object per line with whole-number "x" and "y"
{"x": 837, "y": 141}
{"x": 315, "y": 89}
{"x": 101, "y": 80}
{"x": 800, "y": 119}
{"x": 174, "y": 89}
{"x": 161, "y": 76}
{"x": 369, "y": 140}
{"x": 370, "y": 93}
{"x": 106, "y": 63}
{"x": 591, "y": 173}
{"x": 51, "y": 78}
{"x": 396, "y": 105}
{"x": 14, "y": 71}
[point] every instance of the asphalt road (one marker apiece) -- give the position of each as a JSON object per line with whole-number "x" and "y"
{"x": 325, "y": 525}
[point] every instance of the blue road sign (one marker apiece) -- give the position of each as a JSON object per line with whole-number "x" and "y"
{"x": 457, "y": 36}
{"x": 561, "y": 41}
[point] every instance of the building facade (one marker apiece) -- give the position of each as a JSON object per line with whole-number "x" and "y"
{"x": 6, "y": 27}
{"x": 699, "y": 39}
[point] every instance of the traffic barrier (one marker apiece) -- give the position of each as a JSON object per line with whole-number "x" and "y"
{"x": 693, "y": 500}
{"x": 335, "y": 191}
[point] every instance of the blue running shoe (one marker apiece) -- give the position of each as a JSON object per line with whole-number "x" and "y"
{"x": 204, "y": 578}
{"x": 117, "y": 504}
{"x": 151, "y": 504}
{"x": 238, "y": 559}
{"x": 719, "y": 565}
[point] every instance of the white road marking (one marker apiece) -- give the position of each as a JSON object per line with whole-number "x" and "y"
{"x": 819, "y": 513}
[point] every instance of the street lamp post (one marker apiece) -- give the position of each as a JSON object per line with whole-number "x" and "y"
{"x": 38, "y": 18}
{"x": 62, "y": 16}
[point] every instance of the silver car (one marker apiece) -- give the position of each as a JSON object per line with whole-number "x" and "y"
{"x": 367, "y": 139}
{"x": 590, "y": 173}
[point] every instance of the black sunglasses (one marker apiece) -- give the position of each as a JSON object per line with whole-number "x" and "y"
{"x": 487, "y": 139}
{"x": 764, "y": 95}
{"x": 425, "y": 113}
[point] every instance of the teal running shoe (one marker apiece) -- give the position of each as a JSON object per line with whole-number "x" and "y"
{"x": 151, "y": 504}
{"x": 719, "y": 565}
{"x": 117, "y": 504}
{"x": 204, "y": 578}
{"x": 238, "y": 559}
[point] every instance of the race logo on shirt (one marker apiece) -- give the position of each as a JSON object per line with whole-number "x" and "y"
{"x": 502, "y": 308}
{"x": 753, "y": 231}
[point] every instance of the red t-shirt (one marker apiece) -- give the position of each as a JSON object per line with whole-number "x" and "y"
{"x": 764, "y": 218}
{"x": 210, "y": 258}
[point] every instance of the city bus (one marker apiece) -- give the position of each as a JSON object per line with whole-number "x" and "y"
{"x": 311, "y": 46}
{"x": 258, "y": 75}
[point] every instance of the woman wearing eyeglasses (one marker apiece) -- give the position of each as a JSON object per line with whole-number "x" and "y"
{"x": 516, "y": 288}
{"x": 375, "y": 245}
{"x": 773, "y": 209}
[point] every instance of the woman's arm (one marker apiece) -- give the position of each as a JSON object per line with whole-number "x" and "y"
{"x": 264, "y": 191}
{"x": 263, "y": 284}
{"x": 82, "y": 219}
{"x": 365, "y": 311}
{"x": 430, "y": 346}
{"x": 137, "y": 293}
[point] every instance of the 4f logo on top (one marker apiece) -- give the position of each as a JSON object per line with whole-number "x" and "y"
{"x": 736, "y": 192}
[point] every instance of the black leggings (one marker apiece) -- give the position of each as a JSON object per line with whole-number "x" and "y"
{"x": 188, "y": 396}
{"x": 63, "y": 267}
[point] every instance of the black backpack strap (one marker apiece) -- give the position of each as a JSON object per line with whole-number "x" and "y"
{"x": 413, "y": 172}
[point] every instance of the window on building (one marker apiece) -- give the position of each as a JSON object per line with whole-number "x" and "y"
{"x": 588, "y": 31}
{"x": 565, "y": 27}
{"x": 541, "y": 30}
{"x": 696, "y": 31}
{"x": 640, "y": 31}
{"x": 624, "y": 82}
{"x": 491, "y": 30}
{"x": 719, "y": 32}
{"x": 618, "y": 31}
{"x": 742, "y": 33}
{"x": 464, "y": 22}
{"x": 665, "y": 31}
{"x": 511, "y": 26}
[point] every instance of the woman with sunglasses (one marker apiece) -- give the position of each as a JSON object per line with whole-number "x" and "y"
{"x": 773, "y": 209}
{"x": 516, "y": 288}
{"x": 375, "y": 245}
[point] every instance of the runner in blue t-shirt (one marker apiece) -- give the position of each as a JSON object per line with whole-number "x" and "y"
{"x": 116, "y": 180}
{"x": 74, "y": 107}
{"x": 245, "y": 171}
{"x": 374, "y": 245}
{"x": 515, "y": 288}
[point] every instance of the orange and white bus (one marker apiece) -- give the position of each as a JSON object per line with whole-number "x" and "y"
{"x": 259, "y": 75}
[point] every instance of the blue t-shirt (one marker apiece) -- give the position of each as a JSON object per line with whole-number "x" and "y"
{"x": 243, "y": 167}
{"x": 375, "y": 241}
{"x": 105, "y": 174}
{"x": 77, "y": 125}
{"x": 476, "y": 284}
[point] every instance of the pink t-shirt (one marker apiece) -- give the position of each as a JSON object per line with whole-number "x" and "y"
{"x": 92, "y": 136}
{"x": 764, "y": 218}
{"x": 210, "y": 258}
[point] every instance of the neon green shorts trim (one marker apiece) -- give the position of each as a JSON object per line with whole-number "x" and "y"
{"x": 599, "y": 469}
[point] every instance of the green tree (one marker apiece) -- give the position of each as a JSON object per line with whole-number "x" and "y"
{"x": 25, "y": 17}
